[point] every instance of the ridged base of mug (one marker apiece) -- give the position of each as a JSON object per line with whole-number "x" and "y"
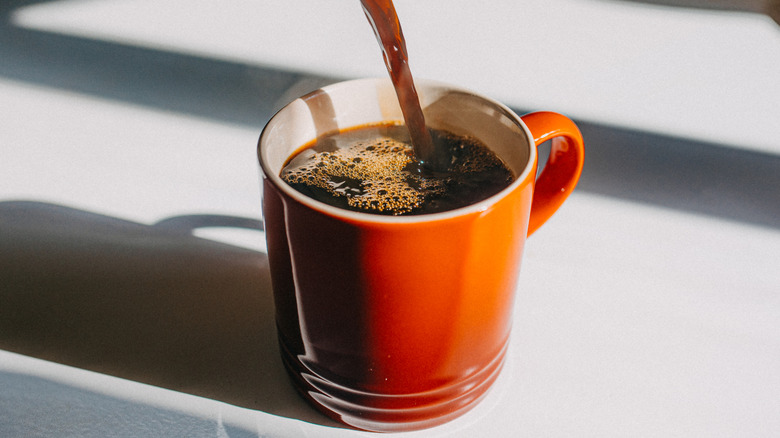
{"x": 378, "y": 412}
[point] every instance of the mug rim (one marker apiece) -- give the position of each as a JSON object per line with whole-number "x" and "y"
{"x": 363, "y": 217}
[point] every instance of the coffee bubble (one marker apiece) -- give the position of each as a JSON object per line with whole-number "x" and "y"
{"x": 373, "y": 169}
{"x": 372, "y": 176}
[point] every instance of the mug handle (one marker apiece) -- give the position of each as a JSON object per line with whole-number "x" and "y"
{"x": 563, "y": 167}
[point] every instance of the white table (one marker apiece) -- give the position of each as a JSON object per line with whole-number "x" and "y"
{"x": 648, "y": 306}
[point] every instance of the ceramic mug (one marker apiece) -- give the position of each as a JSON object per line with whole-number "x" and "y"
{"x": 392, "y": 323}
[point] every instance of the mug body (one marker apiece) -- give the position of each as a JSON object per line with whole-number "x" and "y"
{"x": 394, "y": 323}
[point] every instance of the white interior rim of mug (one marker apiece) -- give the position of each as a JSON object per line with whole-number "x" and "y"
{"x": 273, "y": 173}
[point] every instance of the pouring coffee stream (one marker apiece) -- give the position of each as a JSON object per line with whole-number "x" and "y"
{"x": 387, "y": 28}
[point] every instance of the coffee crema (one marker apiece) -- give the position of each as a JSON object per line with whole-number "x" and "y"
{"x": 373, "y": 169}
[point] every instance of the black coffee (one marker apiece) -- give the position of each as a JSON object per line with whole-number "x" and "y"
{"x": 373, "y": 169}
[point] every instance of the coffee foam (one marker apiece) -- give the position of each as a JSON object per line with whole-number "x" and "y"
{"x": 371, "y": 175}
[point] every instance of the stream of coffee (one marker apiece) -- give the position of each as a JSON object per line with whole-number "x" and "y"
{"x": 393, "y": 169}
{"x": 387, "y": 28}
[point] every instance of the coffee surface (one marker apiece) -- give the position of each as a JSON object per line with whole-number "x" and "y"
{"x": 373, "y": 169}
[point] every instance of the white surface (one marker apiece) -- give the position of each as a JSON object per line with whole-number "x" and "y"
{"x": 123, "y": 160}
{"x": 631, "y": 319}
{"x": 609, "y": 61}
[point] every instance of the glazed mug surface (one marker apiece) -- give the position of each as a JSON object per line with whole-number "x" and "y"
{"x": 391, "y": 323}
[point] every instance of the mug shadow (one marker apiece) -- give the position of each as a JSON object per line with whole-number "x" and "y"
{"x": 53, "y": 409}
{"x": 153, "y": 304}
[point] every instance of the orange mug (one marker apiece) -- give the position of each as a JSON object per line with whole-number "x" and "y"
{"x": 392, "y": 323}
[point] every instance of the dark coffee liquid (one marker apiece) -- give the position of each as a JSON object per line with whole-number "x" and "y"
{"x": 373, "y": 169}
{"x": 387, "y": 28}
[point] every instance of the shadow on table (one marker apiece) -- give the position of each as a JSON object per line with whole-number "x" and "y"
{"x": 226, "y": 91}
{"x": 687, "y": 175}
{"x": 153, "y": 304}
